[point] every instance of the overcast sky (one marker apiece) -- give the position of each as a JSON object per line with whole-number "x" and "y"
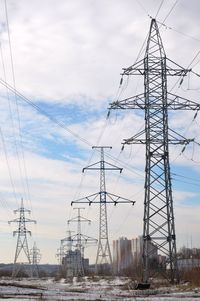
{"x": 66, "y": 57}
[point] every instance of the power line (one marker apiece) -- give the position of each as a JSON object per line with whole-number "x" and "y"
{"x": 169, "y": 13}
{"x": 54, "y": 120}
{"x": 142, "y": 7}
{"x": 10, "y": 112}
{"x": 42, "y": 112}
{"x": 8, "y": 165}
{"x": 62, "y": 125}
{"x": 186, "y": 182}
{"x": 178, "y": 31}
{"x": 26, "y": 184}
{"x": 159, "y": 8}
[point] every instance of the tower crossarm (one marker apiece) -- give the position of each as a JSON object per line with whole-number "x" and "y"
{"x": 116, "y": 199}
{"x": 25, "y": 220}
{"x": 110, "y": 198}
{"x": 81, "y": 219}
{"x": 97, "y": 166}
{"x": 92, "y": 198}
{"x": 139, "y": 68}
{"x": 89, "y": 240}
{"x": 174, "y": 102}
{"x": 173, "y": 138}
{"x": 16, "y": 220}
{"x": 22, "y": 209}
{"x": 22, "y": 232}
{"x": 85, "y": 239}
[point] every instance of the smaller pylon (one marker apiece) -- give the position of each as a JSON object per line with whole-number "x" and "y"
{"x": 65, "y": 249}
{"x": 22, "y": 242}
{"x": 35, "y": 259}
{"x": 103, "y": 258}
{"x": 81, "y": 240}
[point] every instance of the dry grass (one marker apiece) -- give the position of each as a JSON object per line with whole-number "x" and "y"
{"x": 192, "y": 276}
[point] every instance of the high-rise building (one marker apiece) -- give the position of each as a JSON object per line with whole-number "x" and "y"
{"x": 122, "y": 254}
{"x": 136, "y": 249}
{"x": 128, "y": 253}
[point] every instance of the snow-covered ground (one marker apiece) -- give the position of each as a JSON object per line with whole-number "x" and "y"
{"x": 89, "y": 288}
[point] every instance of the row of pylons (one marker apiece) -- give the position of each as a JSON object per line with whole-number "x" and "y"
{"x": 158, "y": 221}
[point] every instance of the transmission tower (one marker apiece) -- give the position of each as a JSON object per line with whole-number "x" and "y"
{"x": 35, "y": 259}
{"x": 65, "y": 248}
{"x": 79, "y": 241}
{"x": 103, "y": 257}
{"x": 22, "y": 242}
{"x": 159, "y": 226}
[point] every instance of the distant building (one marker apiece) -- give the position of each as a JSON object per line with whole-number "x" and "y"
{"x": 188, "y": 264}
{"x": 136, "y": 249}
{"x": 188, "y": 258}
{"x": 128, "y": 253}
{"x": 122, "y": 254}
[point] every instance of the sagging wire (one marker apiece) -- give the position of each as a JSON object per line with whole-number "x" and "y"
{"x": 159, "y": 8}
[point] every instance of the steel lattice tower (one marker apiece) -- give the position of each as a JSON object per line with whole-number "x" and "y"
{"x": 65, "y": 247}
{"x": 35, "y": 259}
{"x": 159, "y": 225}
{"x": 80, "y": 240}
{"x": 22, "y": 242}
{"x": 103, "y": 257}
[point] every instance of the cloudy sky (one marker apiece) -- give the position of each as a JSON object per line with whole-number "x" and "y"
{"x": 66, "y": 57}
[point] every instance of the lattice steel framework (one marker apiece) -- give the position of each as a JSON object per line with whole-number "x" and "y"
{"x": 35, "y": 259}
{"x": 103, "y": 257}
{"x": 81, "y": 240}
{"x": 22, "y": 241}
{"x": 65, "y": 248}
{"x": 159, "y": 225}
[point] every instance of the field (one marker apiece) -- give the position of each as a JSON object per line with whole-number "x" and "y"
{"x": 90, "y": 288}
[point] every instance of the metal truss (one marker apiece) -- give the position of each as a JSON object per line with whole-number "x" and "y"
{"x": 159, "y": 225}
{"x": 22, "y": 242}
{"x": 103, "y": 258}
{"x": 35, "y": 259}
{"x": 81, "y": 241}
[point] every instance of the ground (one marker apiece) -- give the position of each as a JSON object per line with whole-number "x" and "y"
{"x": 90, "y": 288}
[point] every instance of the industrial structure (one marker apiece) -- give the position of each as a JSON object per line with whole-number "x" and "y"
{"x": 22, "y": 243}
{"x": 65, "y": 248}
{"x": 71, "y": 251}
{"x": 103, "y": 258}
{"x": 81, "y": 241}
{"x": 35, "y": 260}
{"x": 156, "y": 101}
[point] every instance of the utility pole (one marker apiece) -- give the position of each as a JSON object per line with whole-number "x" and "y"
{"x": 79, "y": 219}
{"x": 103, "y": 257}
{"x": 35, "y": 259}
{"x": 156, "y": 101}
{"x": 22, "y": 242}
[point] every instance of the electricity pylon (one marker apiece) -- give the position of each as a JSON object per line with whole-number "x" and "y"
{"x": 65, "y": 249}
{"x": 103, "y": 257}
{"x": 159, "y": 225}
{"x": 35, "y": 259}
{"x": 81, "y": 240}
{"x": 22, "y": 242}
